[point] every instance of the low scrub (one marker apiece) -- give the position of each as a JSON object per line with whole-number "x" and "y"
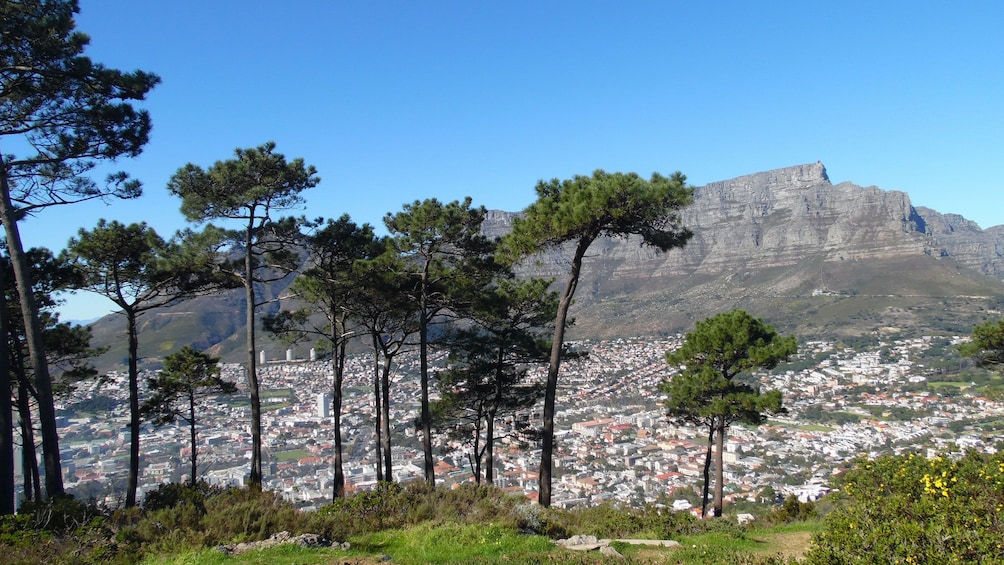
{"x": 470, "y": 524}
{"x": 910, "y": 509}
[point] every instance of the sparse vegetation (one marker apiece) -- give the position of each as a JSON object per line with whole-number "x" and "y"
{"x": 409, "y": 524}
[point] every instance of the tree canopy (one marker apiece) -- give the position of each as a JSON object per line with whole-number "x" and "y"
{"x": 67, "y": 114}
{"x": 987, "y": 344}
{"x": 249, "y": 190}
{"x": 579, "y": 211}
{"x": 138, "y": 271}
{"x": 441, "y": 246}
{"x": 188, "y": 375}
{"x": 329, "y": 286}
{"x": 706, "y": 390}
{"x": 602, "y": 205}
{"x": 64, "y": 112}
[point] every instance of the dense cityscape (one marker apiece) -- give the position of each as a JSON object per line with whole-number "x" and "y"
{"x": 613, "y": 440}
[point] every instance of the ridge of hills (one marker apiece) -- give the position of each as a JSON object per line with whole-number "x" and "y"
{"x": 817, "y": 260}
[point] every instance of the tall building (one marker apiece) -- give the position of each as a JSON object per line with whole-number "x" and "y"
{"x": 324, "y": 405}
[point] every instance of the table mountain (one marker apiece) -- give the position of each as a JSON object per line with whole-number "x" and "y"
{"x": 814, "y": 258}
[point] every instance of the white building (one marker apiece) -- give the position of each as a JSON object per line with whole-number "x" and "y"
{"x": 324, "y": 405}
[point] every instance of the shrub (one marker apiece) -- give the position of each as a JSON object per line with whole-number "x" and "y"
{"x": 610, "y": 521}
{"x": 791, "y": 510}
{"x": 391, "y": 505}
{"x": 246, "y": 514}
{"x": 169, "y": 495}
{"x": 60, "y": 530}
{"x": 910, "y": 509}
{"x": 60, "y": 514}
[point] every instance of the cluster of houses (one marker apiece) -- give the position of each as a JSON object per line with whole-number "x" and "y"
{"x": 613, "y": 441}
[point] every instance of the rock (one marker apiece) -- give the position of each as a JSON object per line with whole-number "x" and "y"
{"x": 303, "y": 540}
{"x": 651, "y": 542}
{"x": 608, "y": 551}
{"x": 580, "y": 543}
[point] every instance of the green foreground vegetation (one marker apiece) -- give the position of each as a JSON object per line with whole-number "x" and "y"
{"x": 413, "y": 524}
{"x": 895, "y": 509}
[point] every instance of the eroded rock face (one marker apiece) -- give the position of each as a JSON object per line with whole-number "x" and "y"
{"x": 779, "y": 218}
{"x": 784, "y": 244}
{"x": 951, "y": 235}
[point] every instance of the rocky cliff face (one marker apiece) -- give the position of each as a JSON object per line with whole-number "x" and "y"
{"x": 951, "y": 235}
{"x": 788, "y": 245}
{"x": 814, "y": 258}
{"x": 780, "y": 218}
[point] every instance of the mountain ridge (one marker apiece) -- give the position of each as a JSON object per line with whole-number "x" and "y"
{"x": 815, "y": 258}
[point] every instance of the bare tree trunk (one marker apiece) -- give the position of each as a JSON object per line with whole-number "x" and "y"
{"x": 423, "y": 337}
{"x": 7, "y": 506}
{"x": 490, "y": 450}
{"x": 134, "y": 420}
{"x": 388, "y": 458}
{"x": 707, "y": 471}
{"x": 255, "y": 481}
{"x": 478, "y": 452}
{"x": 29, "y": 458}
{"x": 338, "y": 369}
{"x": 719, "y": 469}
{"x": 192, "y": 434}
{"x": 550, "y": 393}
{"x": 377, "y": 407}
{"x": 36, "y": 344}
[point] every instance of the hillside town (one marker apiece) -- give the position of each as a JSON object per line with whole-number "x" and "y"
{"x": 613, "y": 441}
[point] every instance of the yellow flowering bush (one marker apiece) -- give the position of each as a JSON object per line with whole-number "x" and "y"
{"x": 911, "y": 509}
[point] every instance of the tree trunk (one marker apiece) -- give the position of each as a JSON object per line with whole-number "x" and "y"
{"x": 388, "y": 464}
{"x": 490, "y": 450}
{"x": 7, "y": 506}
{"x": 134, "y": 416}
{"x": 338, "y": 369}
{"x": 493, "y": 411}
{"x": 192, "y": 434}
{"x": 377, "y": 407}
{"x": 719, "y": 469}
{"x": 423, "y": 345}
{"x": 707, "y": 471}
{"x": 255, "y": 481}
{"x": 36, "y": 344}
{"x": 547, "y": 447}
{"x": 29, "y": 458}
{"x": 477, "y": 453}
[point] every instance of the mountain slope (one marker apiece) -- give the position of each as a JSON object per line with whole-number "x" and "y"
{"x": 816, "y": 259}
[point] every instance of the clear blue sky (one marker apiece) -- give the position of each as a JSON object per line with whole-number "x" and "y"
{"x": 398, "y": 101}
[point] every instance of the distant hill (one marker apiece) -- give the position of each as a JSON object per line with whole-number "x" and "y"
{"x": 816, "y": 259}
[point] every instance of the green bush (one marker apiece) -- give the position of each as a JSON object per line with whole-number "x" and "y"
{"x": 61, "y": 530}
{"x": 392, "y": 506}
{"x": 790, "y": 510}
{"x": 909, "y": 509}
{"x": 169, "y": 495}
{"x": 610, "y": 521}
{"x": 60, "y": 514}
{"x": 244, "y": 514}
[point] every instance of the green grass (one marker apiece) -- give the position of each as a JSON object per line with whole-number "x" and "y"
{"x": 949, "y": 384}
{"x": 280, "y": 555}
{"x": 453, "y": 543}
{"x": 767, "y": 545}
{"x": 814, "y": 428}
{"x": 493, "y": 543}
{"x": 291, "y": 455}
{"x": 405, "y": 524}
{"x": 272, "y": 406}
